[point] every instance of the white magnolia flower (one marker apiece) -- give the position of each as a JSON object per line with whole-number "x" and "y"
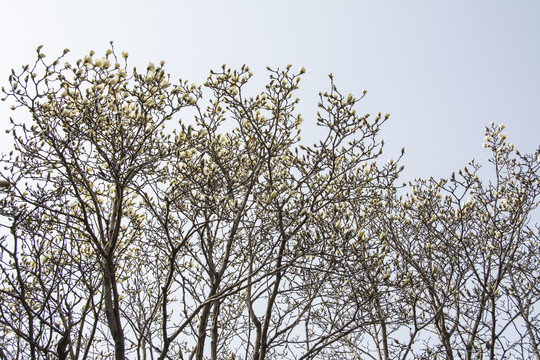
{"x": 367, "y": 170}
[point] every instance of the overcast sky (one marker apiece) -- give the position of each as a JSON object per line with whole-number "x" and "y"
{"x": 442, "y": 69}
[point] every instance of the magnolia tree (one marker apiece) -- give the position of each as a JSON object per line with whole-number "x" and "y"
{"x": 464, "y": 262}
{"x": 129, "y": 233}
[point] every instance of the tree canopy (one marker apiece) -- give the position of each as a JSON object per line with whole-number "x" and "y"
{"x": 129, "y": 233}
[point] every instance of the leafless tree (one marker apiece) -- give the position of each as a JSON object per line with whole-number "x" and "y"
{"x": 460, "y": 245}
{"x": 130, "y": 233}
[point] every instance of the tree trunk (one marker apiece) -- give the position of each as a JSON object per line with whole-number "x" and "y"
{"x": 112, "y": 309}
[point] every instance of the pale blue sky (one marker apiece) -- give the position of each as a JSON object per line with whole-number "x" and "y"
{"x": 443, "y": 69}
